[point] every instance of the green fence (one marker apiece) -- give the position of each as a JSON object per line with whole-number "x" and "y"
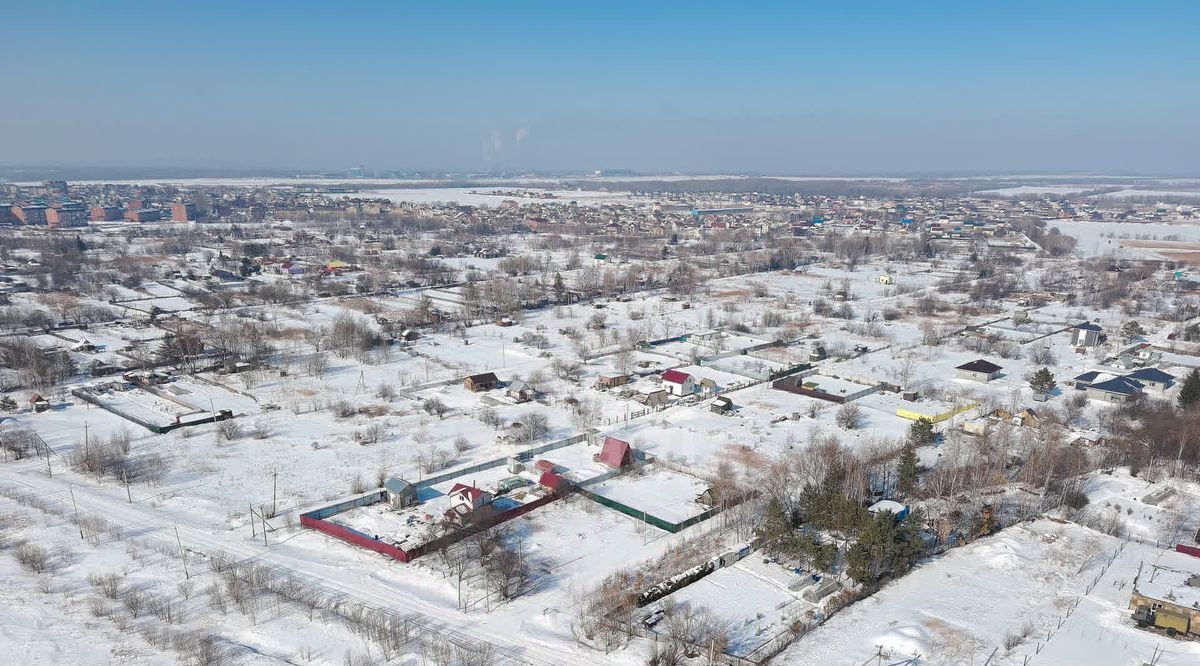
{"x": 629, "y": 511}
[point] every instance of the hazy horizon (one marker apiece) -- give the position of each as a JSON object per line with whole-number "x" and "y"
{"x": 787, "y": 89}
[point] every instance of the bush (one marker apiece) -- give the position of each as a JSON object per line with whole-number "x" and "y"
{"x": 260, "y": 430}
{"x": 1075, "y": 499}
{"x": 435, "y": 406}
{"x": 33, "y": 557}
{"x": 228, "y": 430}
{"x": 461, "y": 444}
{"x": 108, "y": 584}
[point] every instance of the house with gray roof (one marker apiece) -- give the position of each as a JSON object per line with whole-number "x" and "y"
{"x": 401, "y": 493}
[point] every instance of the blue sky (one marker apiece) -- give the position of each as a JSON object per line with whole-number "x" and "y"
{"x": 788, "y": 87}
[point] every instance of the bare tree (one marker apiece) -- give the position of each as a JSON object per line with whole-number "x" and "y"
{"x": 849, "y": 416}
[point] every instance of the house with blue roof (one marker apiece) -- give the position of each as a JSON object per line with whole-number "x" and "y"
{"x": 1153, "y": 378}
{"x": 1086, "y": 334}
{"x": 1117, "y": 390}
{"x": 1085, "y": 380}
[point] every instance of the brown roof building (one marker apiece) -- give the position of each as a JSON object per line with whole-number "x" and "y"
{"x": 66, "y": 215}
{"x": 106, "y": 213}
{"x": 30, "y": 214}
{"x": 183, "y": 211}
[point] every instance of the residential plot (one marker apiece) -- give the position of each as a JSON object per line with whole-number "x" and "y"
{"x": 656, "y": 491}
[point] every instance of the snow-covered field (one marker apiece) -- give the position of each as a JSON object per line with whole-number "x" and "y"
{"x": 961, "y": 607}
{"x": 490, "y": 196}
{"x": 1104, "y": 238}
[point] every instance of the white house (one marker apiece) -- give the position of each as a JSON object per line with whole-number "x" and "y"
{"x": 679, "y": 383}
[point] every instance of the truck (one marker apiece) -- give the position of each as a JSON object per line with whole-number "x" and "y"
{"x": 1173, "y": 623}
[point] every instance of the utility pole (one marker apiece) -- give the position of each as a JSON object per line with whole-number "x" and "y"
{"x": 182, "y": 553}
{"x": 264, "y": 521}
{"x": 274, "y": 487}
{"x": 125, "y": 478}
{"x": 253, "y": 530}
{"x": 76, "y": 506}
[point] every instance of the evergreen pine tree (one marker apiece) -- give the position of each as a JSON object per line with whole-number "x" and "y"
{"x": 776, "y": 523}
{"x": 1189, "y": 393}
{"x": 1132, "y": 329}
{"x": 560, "y": 289}
{"x": 1042, "y": 381}
{"x": 858, "y": 564}
{"x": 921, "y": 433}
{"x": 906, "y": 469}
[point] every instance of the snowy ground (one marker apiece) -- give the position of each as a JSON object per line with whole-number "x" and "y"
{"x": 752, "y": 599}
{"x": 658, "y": 491}
{"x": 960, "y": 607}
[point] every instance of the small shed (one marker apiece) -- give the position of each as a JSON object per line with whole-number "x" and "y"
{"x": 652, "y": 398}
{"x": 614, "y": 380}
{"x": 710, "y": 497}
{"x": 401, "y": 493}
{"x": 553, "y": 482}
{"x": 519, "y": 391}
{"x": 485, "y": 381}
{"x": 721, "y": 405}
{"x": 897, "y": 509}
{"x": 38, "y": 403}
{"x": 616, "y": 453}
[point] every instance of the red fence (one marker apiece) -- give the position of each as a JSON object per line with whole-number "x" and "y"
{"x": 459, "y": 535}
{"x": 314, "y": 520}
{"x": 354, "y": 537}
{"x": 1188, "y": 550}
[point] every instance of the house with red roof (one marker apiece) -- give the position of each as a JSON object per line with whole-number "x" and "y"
{"x": 553, "y": 482}
{"x": 679, "y": 383}
{"x": 616, "y": 453}
{"x": 468, "y": 497}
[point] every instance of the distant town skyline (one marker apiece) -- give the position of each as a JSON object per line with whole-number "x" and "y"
{"x": 773, "y": 88}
